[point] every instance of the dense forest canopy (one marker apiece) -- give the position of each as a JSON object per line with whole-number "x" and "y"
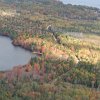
{"x": 66, "y": 40}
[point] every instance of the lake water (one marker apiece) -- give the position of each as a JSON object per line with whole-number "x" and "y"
{"x": 11, "y": 56}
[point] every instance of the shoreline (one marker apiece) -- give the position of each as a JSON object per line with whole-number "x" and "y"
{"x": 3, "y": 72}
{"x": 16, "y": 44}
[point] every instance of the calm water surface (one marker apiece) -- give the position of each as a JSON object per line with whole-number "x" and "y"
{"x": 11, "y": 56}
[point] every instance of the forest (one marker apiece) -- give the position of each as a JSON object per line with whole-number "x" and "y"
{"x": 66, "y": 39}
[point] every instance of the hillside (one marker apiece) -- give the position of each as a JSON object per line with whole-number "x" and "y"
{"x": 57, "y": 9}
{"x": 40, "y": 14}
{"x": 67, "y": 43}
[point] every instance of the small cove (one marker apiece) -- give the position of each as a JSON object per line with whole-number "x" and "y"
{"x": 11, "y": 55}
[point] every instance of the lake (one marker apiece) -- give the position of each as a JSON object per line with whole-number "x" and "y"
{"x": 11, "y": 55}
